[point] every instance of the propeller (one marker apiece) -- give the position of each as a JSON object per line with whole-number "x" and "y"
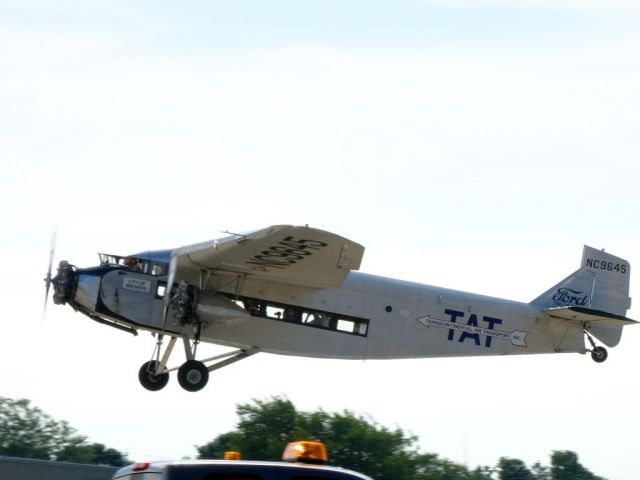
{"x": 167, "y": 293}
{"x": 48, "y": 279}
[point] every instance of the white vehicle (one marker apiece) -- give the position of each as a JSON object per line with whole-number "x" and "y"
{"x": 294, "y": 291}
{"x": 309, "y": 457}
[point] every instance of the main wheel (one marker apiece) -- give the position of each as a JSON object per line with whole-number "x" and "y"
{"x": 193, "y": 375}
{"x": 149, "y": 379}
{"x": 599, "y": 354}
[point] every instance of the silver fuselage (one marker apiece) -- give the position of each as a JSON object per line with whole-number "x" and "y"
{"x": 383, "y": 317}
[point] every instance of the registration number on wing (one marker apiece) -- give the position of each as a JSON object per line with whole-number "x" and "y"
{"x": 287, "y": 252}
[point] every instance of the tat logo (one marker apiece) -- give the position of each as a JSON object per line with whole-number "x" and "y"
{"x": 472, "y": 329}
{"x": 566, "y": 296}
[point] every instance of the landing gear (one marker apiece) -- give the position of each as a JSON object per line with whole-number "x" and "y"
{"x": 150, "y": 379}
{"x": 193, "y": 375}
{"x": 598, "y": 354}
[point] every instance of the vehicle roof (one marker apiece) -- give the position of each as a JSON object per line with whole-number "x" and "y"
{"x": 161, "y": 466}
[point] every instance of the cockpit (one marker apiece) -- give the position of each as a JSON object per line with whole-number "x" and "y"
{"x": 135, "y": 264}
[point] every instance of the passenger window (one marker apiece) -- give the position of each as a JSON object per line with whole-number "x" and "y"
{"x": 345, "y": 325}
{"x": 303, "y": 316}
{"x": 352, "y": 326}
{"x": 161, "y": 290}
{"x": 159, "y": 268}
{"x": 275, "y": 312}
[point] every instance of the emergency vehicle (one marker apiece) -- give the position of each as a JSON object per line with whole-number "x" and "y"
{"x": 301, "y": 461}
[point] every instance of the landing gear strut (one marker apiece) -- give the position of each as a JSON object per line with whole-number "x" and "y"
{"x": 150, "y": 379}
{"x": 598, "y": 354}
{"x": 193, "y": 374}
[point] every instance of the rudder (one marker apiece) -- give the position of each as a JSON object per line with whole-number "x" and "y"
{"x": 601, "y": 283}
{"x": 600, "y": 286}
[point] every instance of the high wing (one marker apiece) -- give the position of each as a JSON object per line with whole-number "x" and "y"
{"x": 286, "y": 253}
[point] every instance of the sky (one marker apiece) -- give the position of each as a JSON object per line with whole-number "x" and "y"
{"x": 475, "y": 145}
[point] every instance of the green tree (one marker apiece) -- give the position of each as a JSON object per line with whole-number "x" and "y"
{"x": 540, "y": 472}
{"x": 266, "y": 426}
{"x": 227, "y": 442}
{"x": 362, "y": 445}
{"x": 94, "y": 453}
{"x": 565, "y": 466}
{"x": 354, "y": 442}
{"x": 513, "y": 469}
{"x": 358, "y": 443}
{"x": 28, "y": 432}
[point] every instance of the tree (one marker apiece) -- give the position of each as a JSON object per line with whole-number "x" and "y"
{"x": 513, "y": 469}
{"x": 358, "y": 443}
{"x": 28, "y": 432}
{"x": 354, "y": 442}
{"x": 565, "y": 466}
{"x": 540, "y": 472}
{"x": 94, "y": 453}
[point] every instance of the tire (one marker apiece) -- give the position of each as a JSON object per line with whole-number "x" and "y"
{"x": 599, "y": 354}
{"x": 193, "y": 375}
{"x": 150, "y": 380}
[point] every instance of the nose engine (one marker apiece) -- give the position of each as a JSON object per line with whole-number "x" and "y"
{"x": 64, "y": 283}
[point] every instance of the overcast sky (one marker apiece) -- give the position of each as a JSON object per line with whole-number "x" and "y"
{"x": 472, "y": 145}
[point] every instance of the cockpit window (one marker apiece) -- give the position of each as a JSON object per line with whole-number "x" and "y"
{"x": 159, "y": 268}
{"x": 135, "y": 264}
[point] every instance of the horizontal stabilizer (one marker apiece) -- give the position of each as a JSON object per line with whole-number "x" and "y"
{"x": 606, "y": 327}
{"x": 588, "y": 315}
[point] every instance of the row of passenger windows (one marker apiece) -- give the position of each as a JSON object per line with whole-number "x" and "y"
{"x": 303, "y": 316}
{"x": 292, "y": 314}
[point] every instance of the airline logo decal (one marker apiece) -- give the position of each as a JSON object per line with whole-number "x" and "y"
{"x": 472, "y": 330}
{"x": 566, "y": 296}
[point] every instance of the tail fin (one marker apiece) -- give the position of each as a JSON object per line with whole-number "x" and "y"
{"x": 601, "y": 286}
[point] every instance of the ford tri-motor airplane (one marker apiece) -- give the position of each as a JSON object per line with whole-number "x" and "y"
{"x": 293, "y": 291}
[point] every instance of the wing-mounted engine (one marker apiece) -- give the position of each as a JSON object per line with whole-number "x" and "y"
{"x": 184, "y": 303}
{"x": 192, "y": 306}
{"x": 192, "y": 309}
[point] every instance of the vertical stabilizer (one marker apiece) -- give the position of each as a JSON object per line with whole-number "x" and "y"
{"x": 611, "y": 281}
{"x": 600, "y": 285}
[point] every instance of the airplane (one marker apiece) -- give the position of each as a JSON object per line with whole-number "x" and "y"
{"x": 295, "y": 290}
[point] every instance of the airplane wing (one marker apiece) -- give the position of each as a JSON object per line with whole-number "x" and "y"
{"x": 286, "y": 253}
{"x": 582, "y": 315}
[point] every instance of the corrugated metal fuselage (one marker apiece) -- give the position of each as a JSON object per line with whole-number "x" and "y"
{"x": 393, "y": 318}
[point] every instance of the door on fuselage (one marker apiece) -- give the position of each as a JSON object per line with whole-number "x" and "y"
{"x": 135, "y": 291}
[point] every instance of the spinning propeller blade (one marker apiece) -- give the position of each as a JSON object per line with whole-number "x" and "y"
{"x": 167, "y": 294}
{"x": 48, "y": 279}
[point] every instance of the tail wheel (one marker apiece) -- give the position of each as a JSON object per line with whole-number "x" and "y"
{"x": 193, "y": 375}
{"x": 149, "y": 379}
{"x": 599, "y": 354}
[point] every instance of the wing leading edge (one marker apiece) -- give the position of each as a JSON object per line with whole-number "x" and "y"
{"x": 286, "y": 253}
